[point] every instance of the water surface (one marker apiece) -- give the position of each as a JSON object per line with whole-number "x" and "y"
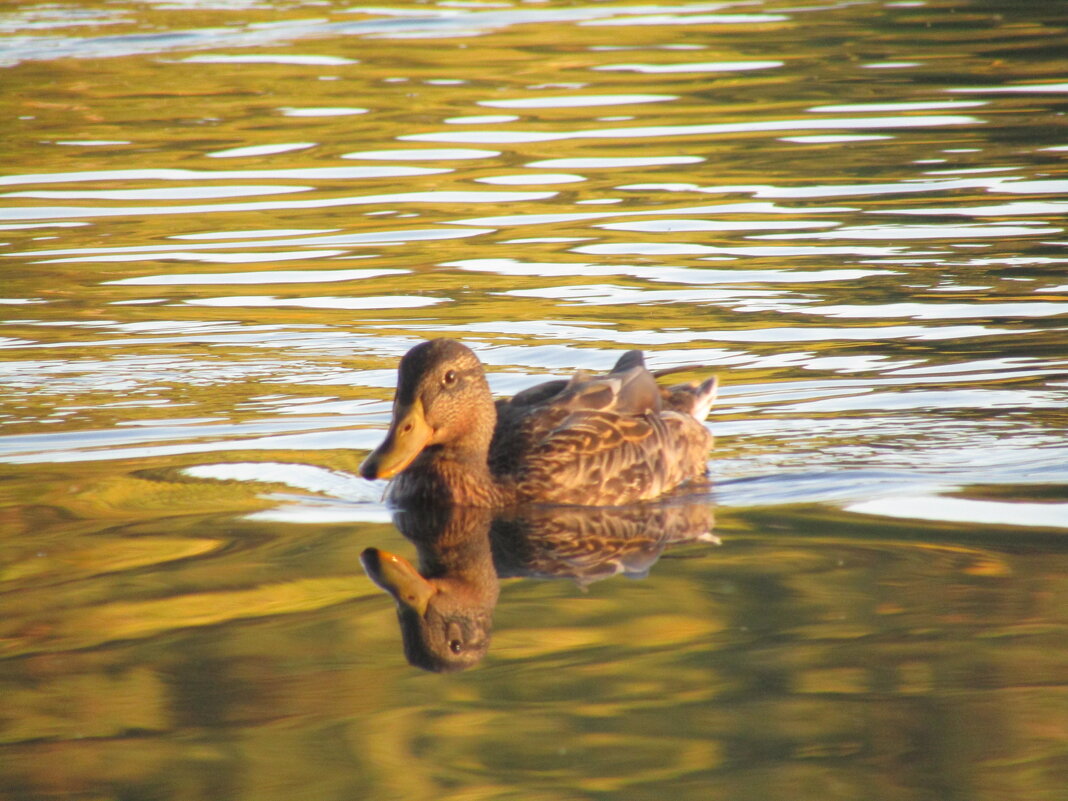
{"x": 222, "y": 225}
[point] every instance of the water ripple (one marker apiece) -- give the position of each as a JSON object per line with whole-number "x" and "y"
{"x": 365, "y": 238}
{"x": 168, "y": 193}
{"x": 656, "y": 131}
{"x": 438, "y": 154}
{"x": 941, "y": 311}
{"x": 445, "y": 197}
{"x": 338, "y": 173}
{"x": 707, "y": 66}
{"x": 965, "y": 510}
{"x": 256, "y": 277}
{"x": 575, "y": 101}
{"x": 289, "y": 59}
{"x": 370, "y": 302}
{"x": 259, "y": 150}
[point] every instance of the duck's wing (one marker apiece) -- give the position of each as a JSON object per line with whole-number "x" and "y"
{"x": 628, "y": 384}
{"x": 534, "y": 396}
{"x": 602, "y": 440}
{"x": 608, "y": 459}
{"x": 528, "y": 418}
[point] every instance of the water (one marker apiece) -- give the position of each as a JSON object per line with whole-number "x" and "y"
{"x": 224, "y": 223}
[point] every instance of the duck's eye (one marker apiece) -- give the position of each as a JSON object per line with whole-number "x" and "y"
{"x": 449, "y": 378}
{"x": 455, "y": 646}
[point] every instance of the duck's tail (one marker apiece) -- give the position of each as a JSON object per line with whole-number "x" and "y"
{"x": 692, "y": 399}
{"x": 704, "y": 397}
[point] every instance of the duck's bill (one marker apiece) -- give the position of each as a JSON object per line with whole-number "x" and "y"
{"x": 397, "y": 576}
{"x": 408, "y": 434}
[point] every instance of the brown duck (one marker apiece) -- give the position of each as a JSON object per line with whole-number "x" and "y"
{"x": 603, "y": 440}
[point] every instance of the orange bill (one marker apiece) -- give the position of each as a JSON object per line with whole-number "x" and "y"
{"x": 408, "y": 434}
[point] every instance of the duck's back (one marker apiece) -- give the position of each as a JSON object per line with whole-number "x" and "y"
{"x": 603, "y": 440}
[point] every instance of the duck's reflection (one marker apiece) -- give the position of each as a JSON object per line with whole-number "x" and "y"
{"x": 445, "y": 606}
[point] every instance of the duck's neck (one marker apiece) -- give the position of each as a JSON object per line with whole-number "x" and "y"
{"x": 465, "y": 474}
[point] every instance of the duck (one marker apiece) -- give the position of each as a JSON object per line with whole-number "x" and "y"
{"x": 590, "y": 440}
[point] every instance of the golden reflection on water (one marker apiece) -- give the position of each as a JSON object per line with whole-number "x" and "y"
{"x": 222, "y": 226}
{"x": 828, "y": 652}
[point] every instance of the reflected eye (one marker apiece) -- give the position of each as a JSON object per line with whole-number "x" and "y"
{"x": 455, "y": 646}
{"x": 449, "y": 378}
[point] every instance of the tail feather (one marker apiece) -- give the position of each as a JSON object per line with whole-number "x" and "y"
{"x": 693, "y": 399}
{"x": 704, "y": 397}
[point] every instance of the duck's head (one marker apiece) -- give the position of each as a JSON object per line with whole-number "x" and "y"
{"x": 442, "y": 399}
